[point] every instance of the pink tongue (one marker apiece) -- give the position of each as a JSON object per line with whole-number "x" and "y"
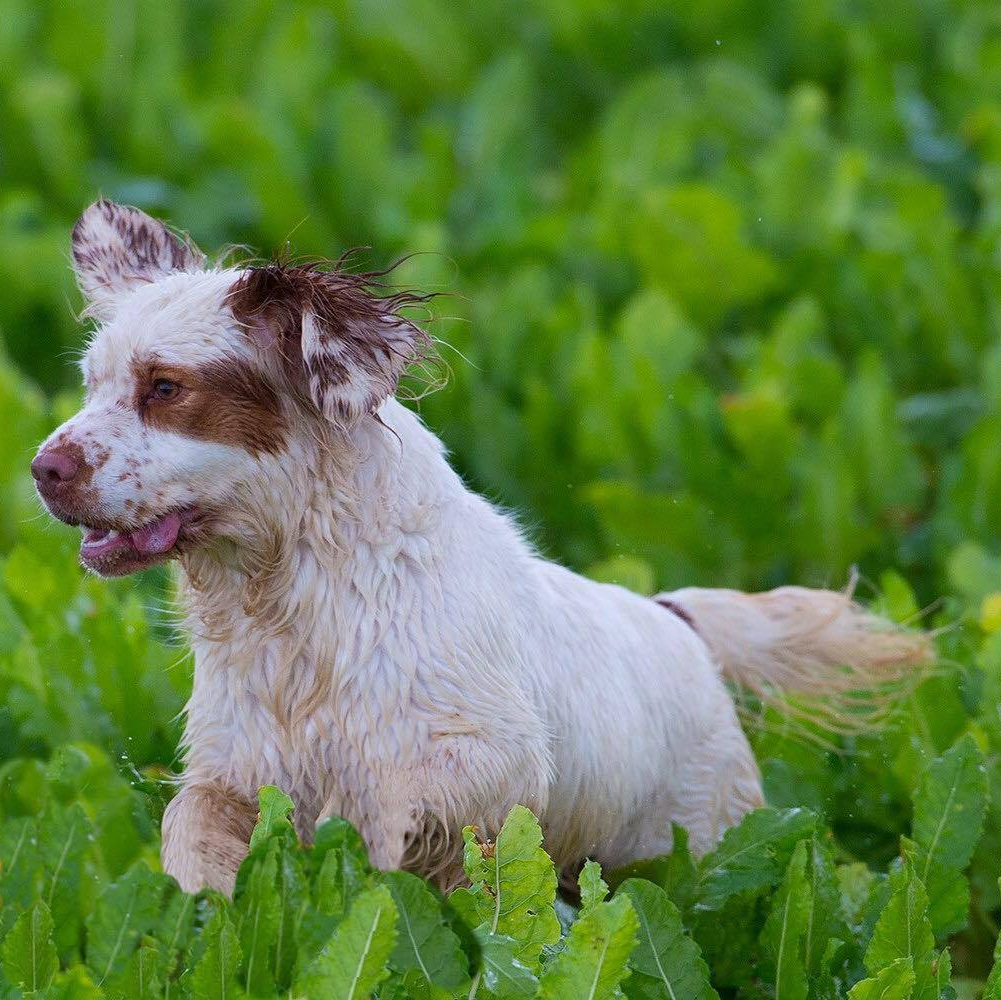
{"x": 158, "y": 536}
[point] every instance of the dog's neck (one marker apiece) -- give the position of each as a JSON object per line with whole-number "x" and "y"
{"x": 336, "y": 500}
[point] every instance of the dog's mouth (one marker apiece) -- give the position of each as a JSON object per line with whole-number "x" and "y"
{"x": 113, "y": 552}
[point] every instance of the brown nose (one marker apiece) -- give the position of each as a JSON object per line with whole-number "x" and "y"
{"x": 55, "y": 467}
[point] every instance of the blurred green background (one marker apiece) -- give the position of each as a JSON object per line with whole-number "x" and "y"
{"x": 721, "y": 309}
{"x": 723, "y": 276}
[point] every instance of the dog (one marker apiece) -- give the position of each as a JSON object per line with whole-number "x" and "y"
{"x": 368, "y": 634}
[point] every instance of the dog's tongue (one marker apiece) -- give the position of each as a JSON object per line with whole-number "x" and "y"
{"x": 157, "y": 536}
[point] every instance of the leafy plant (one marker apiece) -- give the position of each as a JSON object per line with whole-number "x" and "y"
{"x": 726, "y": 315}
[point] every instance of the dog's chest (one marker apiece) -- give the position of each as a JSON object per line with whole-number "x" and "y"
{"x": 264, "y": 713}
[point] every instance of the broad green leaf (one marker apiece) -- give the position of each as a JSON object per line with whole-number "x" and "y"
{"x": 593, "y": 888}
{"x": 214, "y": 976}
{"x": 141, "y": 977}
{"x": 175, "y": 927}
{"x": 948, "y": 899}
{"x": 826, "y": 921}
{"x": 753, "y": 854}
{"x": 294, "y": 898}
{"x": 595, "y": 959}
{"x": 338, "y": 834}
{"x": 339, "y": 879}
{"x": 20, "y": 869}
{"x": 355, "y": 960}
{"x": 895, "y": 982}
{"x": 502, "y": 975}
{"x": 666, "y": 964}
{"x": 676, "y": 873}
{"x": 727, "y": 936}
{"x": 992, "y": 988}
{"x": 942, "y": 969}
{"x": 855, "y": 883}
{"x": 949, "y": 808}
{"x": 904, "y": 931}
{"x": 336, "y": 870}
{"x": 784, "y": 935}
{"x": 275, "y": 808}
{"x": 257, "y": 913}
{"x": 74, "y": 984}
{"x": 424, "y": 941}
{"x": 62, "y": 841}
{"x": 515, "y": 884}
{"x": 82, "y": 772}
{"x": 127, "y": 909}
{"x": 29, "y": 954}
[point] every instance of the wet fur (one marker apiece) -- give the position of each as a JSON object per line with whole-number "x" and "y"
{"x": 381, "y": 642}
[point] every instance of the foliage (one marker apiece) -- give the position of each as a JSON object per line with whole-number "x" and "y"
{"x": 721, "y": 309}
{"x": 391, "y": 935}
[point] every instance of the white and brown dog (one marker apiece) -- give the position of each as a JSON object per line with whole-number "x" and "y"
{"x": 368, "y": 634}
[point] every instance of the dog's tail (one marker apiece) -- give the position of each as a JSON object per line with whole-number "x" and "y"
{"x": 817, "y": 643}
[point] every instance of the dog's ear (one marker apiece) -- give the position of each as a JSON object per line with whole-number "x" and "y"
{"x": 344, "y": 344}
{"x": 117, "y": 248}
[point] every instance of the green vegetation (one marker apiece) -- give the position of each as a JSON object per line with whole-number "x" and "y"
{"x": 723, "y": 309}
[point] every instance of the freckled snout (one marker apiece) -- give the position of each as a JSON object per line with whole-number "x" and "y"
{"x": 57, "y": 467}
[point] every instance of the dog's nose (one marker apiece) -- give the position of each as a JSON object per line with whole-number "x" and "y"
{"x": 55, "y": 467}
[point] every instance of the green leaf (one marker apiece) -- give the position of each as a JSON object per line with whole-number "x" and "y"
{"x": 338, "y": 881}
{"x": 784, "y": 934}
{"x": 258, "y": 913}
{"x": 514, "y": 884}
{"x": 354, "y": 961}
{"x": 339, "y": 867}
{"x": 502, "y": 975}
{"x": 29, "y": 954}
{"x": 214, "y": 976}
{"x": 595, "y": 959}
{"x": 20, "y": 869}
{"x": 74, "y": 984}
{"x": 275, "y": 807}
{"x": 949, "y": 808}
{"x": 753, "y": 854}
{"x": 826, "y": 920}
{"x": 895, "y": 982}
{"x": 62, "y": 841}
{"x": 336, "y": 834}
{"x": 992, "y": 988}
{"x": 676, "y": 873}
{"x": 666, "y": 964}
{"x": 593, "y": 888}
{"x": 294, "y": 898}
{"x": 425, "y": 942}
{"x": 141, "y": 977}
{"x": 125, "y": 910}
{"x": 175, "y": 927}
{"x": 904, "y": 931}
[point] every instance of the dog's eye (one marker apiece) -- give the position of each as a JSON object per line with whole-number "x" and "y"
{"x": 165, "y": 389}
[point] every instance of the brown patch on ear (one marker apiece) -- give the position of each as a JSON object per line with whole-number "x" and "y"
{"x": 229, "y": 402}
{"x": 116, "y": 248}
{"x": 346, "y": 343}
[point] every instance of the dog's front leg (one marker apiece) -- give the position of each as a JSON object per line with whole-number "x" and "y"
{"x": 206, "y": 831}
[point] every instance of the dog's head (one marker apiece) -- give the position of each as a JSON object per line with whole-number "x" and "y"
{"x": 197, "y": 380}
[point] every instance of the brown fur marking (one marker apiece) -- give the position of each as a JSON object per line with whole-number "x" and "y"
{"x": 677, "y": 609}
{"x": 147, "y": 247}
{"x": 365, "y": 331}
{"x": 227, "y": 402}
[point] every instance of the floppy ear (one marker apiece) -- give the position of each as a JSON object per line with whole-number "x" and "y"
{"x": 117, "y": 248}
{"x": 345, "y": 344}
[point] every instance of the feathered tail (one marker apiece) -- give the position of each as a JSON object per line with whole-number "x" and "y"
{"x": 817, "y": 643}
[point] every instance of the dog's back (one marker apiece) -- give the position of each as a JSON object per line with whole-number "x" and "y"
{"x": 369, "y": 634}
